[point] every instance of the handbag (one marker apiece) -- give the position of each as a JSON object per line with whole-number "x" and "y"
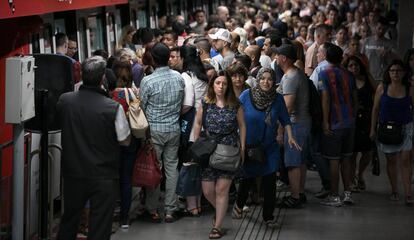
{"x": 376, "y": 170}
{"x": 255, "y": 153}
{"x": 147, "y": 172}
{"x": 201, "y": 150}
{"x": 390, "y": 133}
{"x": 225, "y": 157}
{"x": 189, "y": 181}
{"x": 136, "y": 117}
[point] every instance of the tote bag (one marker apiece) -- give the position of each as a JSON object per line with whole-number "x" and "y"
{"x": 136, "y": 117}
{"x": 147, "y": 172}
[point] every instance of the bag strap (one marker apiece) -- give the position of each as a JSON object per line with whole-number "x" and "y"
{"x": 126, "y": 95}
{"x": 203, "y": 117}
{"x": 134, "y": 98}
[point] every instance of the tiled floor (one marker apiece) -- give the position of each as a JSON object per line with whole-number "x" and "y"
{"x": 372, "y": 217}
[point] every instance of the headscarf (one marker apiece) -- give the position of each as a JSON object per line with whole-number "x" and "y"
{"x": 262, "y": 100}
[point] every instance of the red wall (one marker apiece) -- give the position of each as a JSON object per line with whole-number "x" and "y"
{"x": 15, "y": 38}
{"x": 37, "y": 7}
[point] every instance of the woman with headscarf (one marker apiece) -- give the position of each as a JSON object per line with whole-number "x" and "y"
{"x": 263, "y": 108}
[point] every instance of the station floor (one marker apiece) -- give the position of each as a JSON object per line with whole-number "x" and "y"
{"x": 373, "y": 216}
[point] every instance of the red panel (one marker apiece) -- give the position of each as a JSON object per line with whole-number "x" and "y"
{"x": 14, "y": 41}
{"x": 36, "y": 7}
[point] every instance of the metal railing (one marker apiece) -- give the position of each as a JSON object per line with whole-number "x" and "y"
{"x": 27, "y": 142}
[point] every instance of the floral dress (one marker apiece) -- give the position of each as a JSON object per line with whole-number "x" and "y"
{"x": 217, "y": 120}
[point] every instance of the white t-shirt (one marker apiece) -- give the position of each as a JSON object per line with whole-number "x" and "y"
{"x": 194, "y": 91}
{"x": 121, "y": 124}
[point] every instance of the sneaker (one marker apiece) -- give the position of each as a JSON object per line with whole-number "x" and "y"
{"x": 355, "y": 188}
{"x": 291, "y": 202}
{"x": 124, "y": 223}
{"x": 333, "y": 201}
{"x": 323, "y": 193}
{"x": 170, "y": 217}
{"x": 348, "y": 198}
{"x": 272, "y": 223}
{"x": 303, "y": 198}
{"x": 246, "y": 209}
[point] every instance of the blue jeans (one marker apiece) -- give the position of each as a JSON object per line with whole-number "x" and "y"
{"x": 128, "y": 157}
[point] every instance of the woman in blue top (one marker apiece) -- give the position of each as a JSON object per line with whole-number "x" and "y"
{"x": 393, "y": 101}
{"x": 263, "y": 108}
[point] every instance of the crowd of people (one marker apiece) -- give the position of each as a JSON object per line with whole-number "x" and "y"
{"x": 304, "y": 83}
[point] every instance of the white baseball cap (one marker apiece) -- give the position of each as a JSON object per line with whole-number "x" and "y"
{"x": 222, "y": 34}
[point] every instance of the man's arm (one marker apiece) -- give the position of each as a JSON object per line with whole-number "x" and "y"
{"x": 143, "y": 95}
{"x": 290, "y": 102}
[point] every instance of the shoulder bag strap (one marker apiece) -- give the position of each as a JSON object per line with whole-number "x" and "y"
{"x": 132, "y": 94}
{"x": 126, "y": 95}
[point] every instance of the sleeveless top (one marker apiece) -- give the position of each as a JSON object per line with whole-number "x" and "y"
{"x": 222, "y": 121}
{"x": 396, "y": 110}
{"x": 365, "y": 102}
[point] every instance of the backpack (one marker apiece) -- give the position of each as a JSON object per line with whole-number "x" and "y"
{"x": 315, "y": 108}
{"x": 136, "y": 117}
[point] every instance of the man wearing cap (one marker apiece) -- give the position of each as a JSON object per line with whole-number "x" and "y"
{"x": 295, "y": 89}
{"x": 162, "y": 95}
{"x": 221, "y": 42}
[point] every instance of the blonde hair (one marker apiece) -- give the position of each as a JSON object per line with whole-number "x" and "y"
{"x": 125, "y": 32}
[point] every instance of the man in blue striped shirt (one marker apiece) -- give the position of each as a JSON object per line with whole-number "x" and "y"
{"x": 162, "y": 94}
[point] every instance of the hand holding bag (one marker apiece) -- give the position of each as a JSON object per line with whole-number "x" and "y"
{"x": 376, "y": 170}
{"x": 147, "y": 172}
{"x": 225, "y": 157}
{"x": 136, "y": 117}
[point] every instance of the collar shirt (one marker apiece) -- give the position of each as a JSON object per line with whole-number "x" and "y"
{"x": 161, "y": 95}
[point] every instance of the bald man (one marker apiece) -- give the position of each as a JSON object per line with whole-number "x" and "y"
{"x": 254, "y": 52}
{"x": 223, "y": 13}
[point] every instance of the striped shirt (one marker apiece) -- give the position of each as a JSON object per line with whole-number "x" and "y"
{"x": 162, "y": 94}
{"x": 340, "y": 85}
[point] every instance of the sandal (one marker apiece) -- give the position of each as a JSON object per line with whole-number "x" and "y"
{"x": 199, "y": 210}
{"x": 195, "y": 212}
{"x": 155, "y": 218}
{"x": 394, "y": 196}
{"x": 215, "y": 233}
{"x": 237, "y": 213}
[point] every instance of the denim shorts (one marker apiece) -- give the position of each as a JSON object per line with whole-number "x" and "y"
{"x": 405, "y": 146}
{"x": 301, "y": 132}
{"x": 339, "y": 145}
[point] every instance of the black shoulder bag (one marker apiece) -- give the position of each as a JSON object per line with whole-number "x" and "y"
{"x": 255, "y": 153}
{"x": 390, "y": 133}
{"x": 205, "y": 145}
